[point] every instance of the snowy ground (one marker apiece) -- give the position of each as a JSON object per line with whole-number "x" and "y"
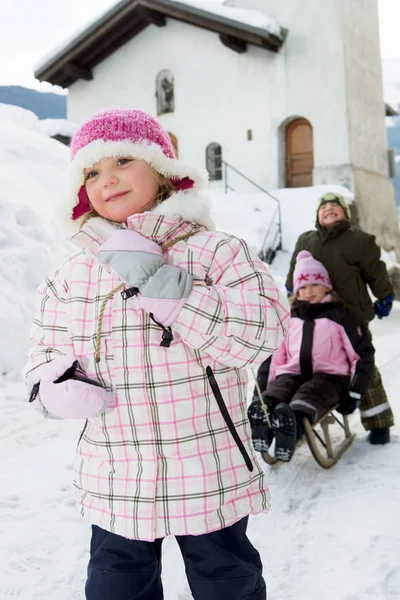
{"x": 330, "y": 535}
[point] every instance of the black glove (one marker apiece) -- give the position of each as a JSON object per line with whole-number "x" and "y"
{"x": 289, "y": 291}
{"x": 383, "y": 307}
{"x": 349, "y": 403}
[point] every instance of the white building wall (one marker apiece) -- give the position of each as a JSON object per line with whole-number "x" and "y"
{"x": 334, "y": 79}
{"x": 219, "y": 95}
{"x": 314, "y": 83}
{"x": 327, "y": 72}
{"x": 367, "y": 130}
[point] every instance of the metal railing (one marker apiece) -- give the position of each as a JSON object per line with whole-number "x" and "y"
{"x": 273, "y": 238}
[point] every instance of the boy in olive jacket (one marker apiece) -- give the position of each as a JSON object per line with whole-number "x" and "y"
{"x": 352, "y": 259}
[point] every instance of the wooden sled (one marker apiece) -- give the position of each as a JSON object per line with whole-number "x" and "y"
{"x": 329, "y": 455}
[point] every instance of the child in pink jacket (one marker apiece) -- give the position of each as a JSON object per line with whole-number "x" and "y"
{"x": 147, "y": 331}
{"x": 325, "y": 359}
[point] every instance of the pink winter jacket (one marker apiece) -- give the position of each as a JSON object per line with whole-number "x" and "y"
{"x": 335, "y": 344}
{"x": 165, "y": 460}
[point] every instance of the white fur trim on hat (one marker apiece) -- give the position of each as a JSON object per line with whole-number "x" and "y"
{"x": 151, "y": 153}
{"x": 190, "y": 206}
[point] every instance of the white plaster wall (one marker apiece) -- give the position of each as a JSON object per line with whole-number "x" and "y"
{"x": 327, "y": 72}
{"x": 314, "y": 82}
{"x": 219, "y": 95}
{"x": 334, "y": 79}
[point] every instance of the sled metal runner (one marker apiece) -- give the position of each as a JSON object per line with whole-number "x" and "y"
{"x": 331, "y": 453}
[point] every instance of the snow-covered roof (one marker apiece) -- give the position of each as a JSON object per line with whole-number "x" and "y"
{"x": 254, "y": 18}
{"x": 237, "y": 28}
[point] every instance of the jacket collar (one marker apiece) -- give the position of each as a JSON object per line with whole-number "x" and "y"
{"x": 305, "y": 310}
{"x": 333, "y": 232}
{"x": 181, "y": 214}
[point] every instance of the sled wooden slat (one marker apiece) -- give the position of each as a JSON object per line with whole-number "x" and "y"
{"x": 269, "y": 458}
{"x": 332, "y": 453}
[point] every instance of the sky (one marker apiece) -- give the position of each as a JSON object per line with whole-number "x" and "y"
{"x": 29, "y": 30}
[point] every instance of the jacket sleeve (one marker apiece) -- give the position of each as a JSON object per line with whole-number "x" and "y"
{"x": 49, "y": 332}
{"x": 289, "y": 279}
{"x": 361, "y": 354}
{"x": 241, "y": 318}
{"x": 373, "y": 269}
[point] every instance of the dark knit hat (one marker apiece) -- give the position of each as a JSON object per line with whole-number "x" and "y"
{"x": 338, "y": 199}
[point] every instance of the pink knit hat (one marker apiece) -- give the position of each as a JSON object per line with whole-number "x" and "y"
{"x": 308, "y": 271}
{"x": 122, "y": 132}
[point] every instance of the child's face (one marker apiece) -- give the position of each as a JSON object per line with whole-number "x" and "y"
{"x": 330, "y": 213}
{"x": 119, "y": 187}
{"x": 312, "y": 293}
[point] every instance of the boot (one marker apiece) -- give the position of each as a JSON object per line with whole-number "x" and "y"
{"x": 284, "y": 427}
{"x": 379, "y": 436}
{"x": 261, "y": 433}
{"x": 299, "y": 424}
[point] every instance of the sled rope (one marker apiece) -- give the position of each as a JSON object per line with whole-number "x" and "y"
{"x": 100, "y": 322}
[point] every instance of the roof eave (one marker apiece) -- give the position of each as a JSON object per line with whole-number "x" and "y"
{"x": 390, "y": 110}
{"x": 64, "y": 68}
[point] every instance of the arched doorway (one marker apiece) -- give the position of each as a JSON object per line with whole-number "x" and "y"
{"x": 299, "y": 159}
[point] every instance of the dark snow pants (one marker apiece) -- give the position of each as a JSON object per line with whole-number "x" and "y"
{"x": 313, "y": 397}
{"x": 219, "y": 565}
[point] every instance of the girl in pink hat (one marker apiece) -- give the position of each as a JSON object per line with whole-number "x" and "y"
{"x": 325, "y": 359}
{"x": 146, "y": 332}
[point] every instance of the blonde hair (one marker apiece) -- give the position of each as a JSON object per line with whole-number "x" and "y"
{"x": 165, "y": 189}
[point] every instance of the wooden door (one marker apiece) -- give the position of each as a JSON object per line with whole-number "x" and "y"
{"x": 299, "y": 154}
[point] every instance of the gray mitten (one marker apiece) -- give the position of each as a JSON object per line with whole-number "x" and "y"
{"x": 131, "y": 256}
{"x": 165, "y": 293}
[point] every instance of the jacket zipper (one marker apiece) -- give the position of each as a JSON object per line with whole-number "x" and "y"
{"x": 227, "y": 418}
{"x": 82, "y": 432}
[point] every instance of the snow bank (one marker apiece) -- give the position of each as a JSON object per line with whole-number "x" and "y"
{"x": 32, "y": 172}
{"x": 53, "y": 127}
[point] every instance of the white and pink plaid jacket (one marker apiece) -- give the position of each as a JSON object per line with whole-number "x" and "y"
{"x": 167, "y": 459}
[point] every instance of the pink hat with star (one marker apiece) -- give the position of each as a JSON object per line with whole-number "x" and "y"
{"x": 309, "y": 271}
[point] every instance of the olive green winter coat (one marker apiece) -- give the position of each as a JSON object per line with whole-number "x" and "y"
{"x": 352, "y": 259}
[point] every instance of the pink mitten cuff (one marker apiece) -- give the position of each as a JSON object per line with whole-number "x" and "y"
{"x": 69, "y": 398}
{"x": 164, "y": 311}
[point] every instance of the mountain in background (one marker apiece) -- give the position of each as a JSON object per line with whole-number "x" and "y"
{"x": 44, "y": 105}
